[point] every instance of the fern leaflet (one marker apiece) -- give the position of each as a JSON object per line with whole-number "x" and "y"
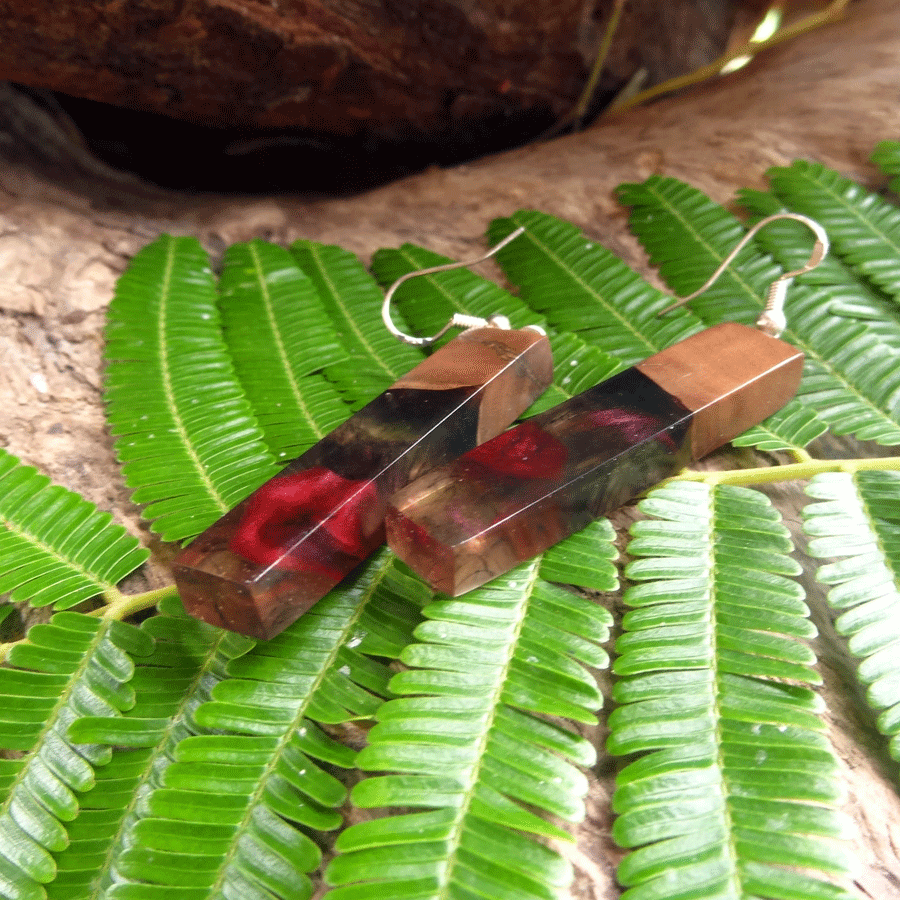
{"x": 849, "y": 295}
{"x": 712, "y": 695}
{"x": 863, "y": 227}
{"x": 353, "y": 300}
{"x": 188, "y": 440}
{"x": 857, "y": 519}
{"x": 278, "y": 335}
{"x": 71, "y": 667}
{"x": 55, "y": 547}
{"x": 887, "y": 157}
{"x": 188, "y": 657}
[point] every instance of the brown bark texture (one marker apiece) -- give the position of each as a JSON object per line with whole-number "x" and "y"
{"x": 389, "y": 67}
{"x": 828, "y": 96}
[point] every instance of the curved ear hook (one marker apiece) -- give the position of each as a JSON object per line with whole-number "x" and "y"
{"x": 459, "y": 320}
{"x": 772, "y": 320}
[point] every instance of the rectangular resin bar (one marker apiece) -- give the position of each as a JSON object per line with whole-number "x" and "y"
{"x": 530, "y": 487}
{"x": 280, "y": 550}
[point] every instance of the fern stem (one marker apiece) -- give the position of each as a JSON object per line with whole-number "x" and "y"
{"x": 801, "y": 456}
{"x": 127, "y": 606}
{"x": 800, "y": 471}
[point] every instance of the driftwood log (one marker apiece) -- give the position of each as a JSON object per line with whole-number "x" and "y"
{"x": 828, "y": 96}
{"x": 346, "y": 66}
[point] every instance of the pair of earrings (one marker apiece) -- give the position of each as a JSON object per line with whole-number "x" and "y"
{"x": 429, "y": 466}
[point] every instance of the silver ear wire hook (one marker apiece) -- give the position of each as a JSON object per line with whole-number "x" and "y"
{"x": 771, "y": 320}
{"x": 457, "y": 320}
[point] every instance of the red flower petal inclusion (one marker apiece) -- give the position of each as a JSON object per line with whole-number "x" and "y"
{"x": 327, "y": 509}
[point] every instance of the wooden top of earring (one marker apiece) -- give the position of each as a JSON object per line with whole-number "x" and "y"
{"x": 513, "y": 365}
{"x": 486, "y": 351}
{"x": 730, "y": 376}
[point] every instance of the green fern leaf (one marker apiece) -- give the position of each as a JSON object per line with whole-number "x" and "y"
{"x": 249, "y": 763}
{"x": 278, "y": 334}
{"x": 887, "y": 157}
{"x": 587, "y": 559}
{"x": 582, "y": 287}
{"x": 74, "y": 666}
{"x": 467, "y": 742}
{"x": 186, "y": 435}
{"x": 864, "y": 228}
{"x": 353, "y": 299}
{"x": 56, "y": 547}
{"x": 850, "y": 380}
{"x": 687, "y": 236}
{"x": 187, "y": 658}
{"x": 858, "y": 521}
{"x": 394, "y": 611}
{"x": 792, "y": 428}
{"x": 723, "y": 802}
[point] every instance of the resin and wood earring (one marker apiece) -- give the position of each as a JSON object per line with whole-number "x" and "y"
{"x": 266, "y": 562}
{"x": 530, "y": 487}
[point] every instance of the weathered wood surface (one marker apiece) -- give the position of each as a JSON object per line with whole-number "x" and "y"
{"x": 829, "y": 97}
{"x": 389, "y": 67}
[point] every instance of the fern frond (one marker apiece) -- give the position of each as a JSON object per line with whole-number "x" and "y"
{"x": 467, "y": 742}
{"x": 353, "y": 299}
{"x": 56, "y": 547}
{"x": 792, "y": 428}
{"x": 188, "y": 658}
{"x": 735, "y": 794}
{"x": 863, "y": 227}
{"x": 686, "y": 236}
{"x": 582, "y": 287}
{"x": 278, "y": 335}
{"x": 73, "y": 666}
{"x": 251, "y": 763}
{"x": 186, "y": 435}
{"x": 857, "y": 520}
{"x": 887, "y": 157}
{"x": 586, "y": 559}
{"x": 850, "y": 380}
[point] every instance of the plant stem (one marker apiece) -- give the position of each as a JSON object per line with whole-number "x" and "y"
{"x": 119, "y": 609}
{"x": 831, "y": 13}
{"x": 576, "y": 115}
{"x": 799, "y": 471}
{"x": 590, "y": 87}
{"x": 129, "y": 605}
{"x": 800, "y": 455}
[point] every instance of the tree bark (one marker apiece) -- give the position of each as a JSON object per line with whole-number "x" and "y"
{"x": 828, "y": 96}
